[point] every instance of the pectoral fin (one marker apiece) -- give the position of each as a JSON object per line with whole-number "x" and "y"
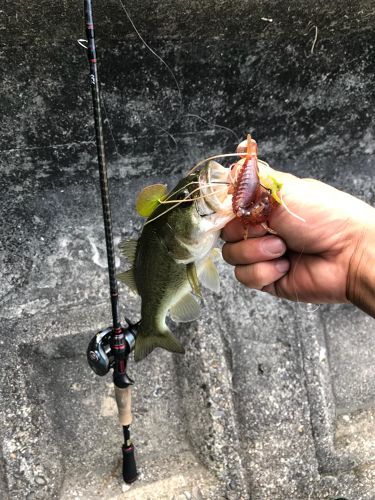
{"x": 128, "y": 278}
{"x": 186, "y": 309}
{"x": 192, "y": 276}
{"x": 208, "y": 275}
{"x": 216, "y": 254}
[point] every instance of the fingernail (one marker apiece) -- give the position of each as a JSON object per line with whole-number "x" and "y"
{"x": 282, "y": 265}
{"x": 273, "y": 246}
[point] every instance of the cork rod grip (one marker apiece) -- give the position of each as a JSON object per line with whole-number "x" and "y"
{"x": 123, "y": 399}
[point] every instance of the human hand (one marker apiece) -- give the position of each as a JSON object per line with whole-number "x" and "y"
{"x": 312, "y": 261}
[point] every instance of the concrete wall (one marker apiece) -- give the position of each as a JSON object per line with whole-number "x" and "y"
{"x": 272, "y": 400}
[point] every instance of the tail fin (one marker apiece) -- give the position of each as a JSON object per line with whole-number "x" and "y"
{"x": 146, "y": 342}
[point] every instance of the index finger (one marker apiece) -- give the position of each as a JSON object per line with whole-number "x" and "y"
{"x": 235, "y": 230}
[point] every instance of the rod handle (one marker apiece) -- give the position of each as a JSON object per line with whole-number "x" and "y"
{"x": 124, "y": 402}
{"x": 129, "y": 467}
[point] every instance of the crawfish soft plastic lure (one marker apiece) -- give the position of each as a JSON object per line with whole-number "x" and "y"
{"x": 252, "y": 201}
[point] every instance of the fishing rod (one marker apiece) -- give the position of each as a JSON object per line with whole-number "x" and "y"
{"x": 110, "y": 348}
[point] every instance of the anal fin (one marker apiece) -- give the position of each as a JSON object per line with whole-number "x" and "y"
{"x": 186, "y": 309}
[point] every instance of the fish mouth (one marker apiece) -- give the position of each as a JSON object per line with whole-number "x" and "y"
{"x": 214, "y": 196}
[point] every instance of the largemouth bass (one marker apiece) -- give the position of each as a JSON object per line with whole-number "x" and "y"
{"x": 174, "y": 253}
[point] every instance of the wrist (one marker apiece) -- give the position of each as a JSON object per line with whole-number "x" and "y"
{"x": 360, "y": 288}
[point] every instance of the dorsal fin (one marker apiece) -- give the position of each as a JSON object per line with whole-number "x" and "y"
{"x": 128, "y": 248}
{"x": 149, "y": 198}
{"x": 128, "y": 278}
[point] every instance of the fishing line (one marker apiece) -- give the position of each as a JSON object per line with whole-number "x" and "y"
{"x": 289, "y": 211}
{"x": 227, "y": 155}
{"x": 294, "y": 273}
{"x": 215, "y": 125}
{"x": 80, "y": 42}
{"x": 306, "y": 307}
{"x": 188, "y": 197}
{"x": 161, "y": 60}
{"x": 309, "y": 307}
{"x": 152, "y": 50}
{"x": 172, "y": 193}
{"x": 224, "y": 155}
{"x": 169, "y": 135}
{"x": 178, "y": 87}
{"x": 106, "y": 121}
{"x": 178, "y": 202}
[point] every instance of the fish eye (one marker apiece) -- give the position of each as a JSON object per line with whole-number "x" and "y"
{"x": 182, "y": 195}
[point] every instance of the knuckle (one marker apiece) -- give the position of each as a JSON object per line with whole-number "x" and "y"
{"x": 258, "y": 277}
{"x": 246, "y": 251}
{"x": 226, "y": 251}
{"x": 241, "y": 276}
{"x": 250, "y": 275}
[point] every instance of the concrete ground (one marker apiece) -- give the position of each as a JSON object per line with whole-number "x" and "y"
{"x": 272, "y": 400}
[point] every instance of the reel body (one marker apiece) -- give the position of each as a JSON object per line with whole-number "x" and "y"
{"x": 100, "y": 351}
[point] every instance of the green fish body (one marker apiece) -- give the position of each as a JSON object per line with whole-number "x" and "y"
{"x": 174, "y": 253}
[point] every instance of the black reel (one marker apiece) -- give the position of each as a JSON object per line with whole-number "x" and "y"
{"x": 100, "y": 355}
